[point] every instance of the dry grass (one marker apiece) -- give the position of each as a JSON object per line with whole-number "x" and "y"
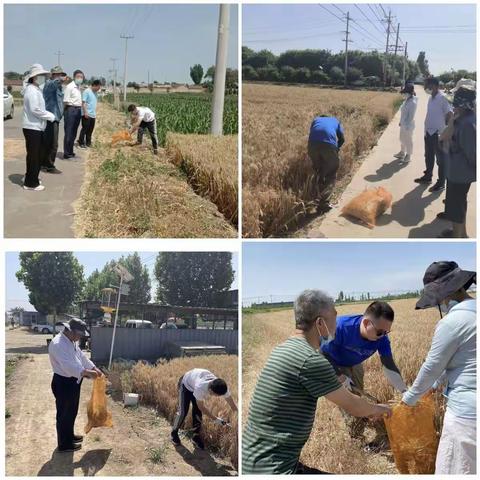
{"x": 278, "y": 180}
{"x": 158, "y": 387}
{"x": 330, "y": 447}
{"x": 129, "y": 192}
{"x": 211, "y": 165}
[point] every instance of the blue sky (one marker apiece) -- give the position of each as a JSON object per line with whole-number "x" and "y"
{"x": 17, "y": 295}
{"x": 285, "y": 269}
{"x": 168, "y": 38}
{"x": 283, "y": 27}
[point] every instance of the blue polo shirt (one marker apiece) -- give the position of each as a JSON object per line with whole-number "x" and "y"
{"x": 90, "y": 99}
{"x": 325, "y": 130}
{"x": 349, "y": 348}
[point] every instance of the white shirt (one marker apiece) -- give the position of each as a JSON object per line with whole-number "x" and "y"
{"x": 72, "y": 95}
{"x": 145, "y": 114}
{"x": 437, "y": 110}
{"x": 197, "y": 381}
{"x": 35, "y": 116}
{"x": 407, "y": 113}
{"x": 66, "y": 358}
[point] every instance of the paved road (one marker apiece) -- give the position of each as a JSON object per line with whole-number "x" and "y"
{"x": 47, "y": 214}
{"x": 413, "y": 213}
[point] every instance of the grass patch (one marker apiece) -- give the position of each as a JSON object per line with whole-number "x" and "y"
{"x": 11, "y": 364}
{"x": 158, "y": 455}
{"x": 8, "y": 414}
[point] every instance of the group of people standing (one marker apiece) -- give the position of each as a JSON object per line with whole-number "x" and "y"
{"x": 49, "y": 96}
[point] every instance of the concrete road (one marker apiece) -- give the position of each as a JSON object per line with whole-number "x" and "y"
{"x": 414, "y": 209}
{"x": 46, "y": 214}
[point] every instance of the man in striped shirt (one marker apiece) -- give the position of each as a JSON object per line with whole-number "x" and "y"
{"x": 282, "y": 409}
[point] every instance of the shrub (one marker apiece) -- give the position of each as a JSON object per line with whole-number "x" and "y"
{"x": 336, "y": 75}
{"x": 320, "y": 77}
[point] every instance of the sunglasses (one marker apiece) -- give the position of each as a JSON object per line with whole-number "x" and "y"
{"x": 378, "y": 331}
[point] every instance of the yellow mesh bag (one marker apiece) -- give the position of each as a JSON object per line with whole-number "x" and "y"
{"x": 98, "y": 415}
{"x": 413, "y": 438}
{"x": 121, "y": 136}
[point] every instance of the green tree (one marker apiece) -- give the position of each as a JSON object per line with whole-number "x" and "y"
{"x": 54, "y": 280}
{"x": 287, "y": 74}
{"x": 196, "y": 74}
{"x": 320, "y": 77}
{"x": 192, "y": 278}
{"x": 336, "y": 75}
{"x": 354, "y": 74}
{"x": 249, "y": 73}
{"x": 422, "y": 63}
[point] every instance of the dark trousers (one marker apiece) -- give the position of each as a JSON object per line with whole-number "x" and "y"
{"x": 67, "y": 397}
{"x": 326, "y": 161}
{"x": 456, "y": 201}
{"x": 432, "y": 151}
{"x": 152, "y": 130}
{"x": 185, "y": 398}
{"x": 51, "y": 144}
{"x": 85, "y": 138}
{"x": 71, "y": 122}
{"x": 35, "y": 145}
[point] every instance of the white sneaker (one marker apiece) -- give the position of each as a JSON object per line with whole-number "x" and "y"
{"x": 399, "y": 155}
{"x": 406, "y": 159}
{"x": 39, "y": 181}
{"x": 36, "y": 189}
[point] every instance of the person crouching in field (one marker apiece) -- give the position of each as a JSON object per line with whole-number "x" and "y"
{"x": 70, "y": 366}
{"x": 143, "y": 118}
{"x": 451, "y": 363}
{"x": 357, "y": 338}
{"x": 407, "y": 123}
{"x": 324, "y": 142}
{"x": 89, "y": 110}
{"x": 194, "y": 388}
{"x": 296, "y": 375}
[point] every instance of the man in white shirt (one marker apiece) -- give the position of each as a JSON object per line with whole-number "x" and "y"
{"x": 72, "y": 100}
{"x": 194, "y": 388}
{"x": 439, "y": 112}
{"x": 70, "y": 366}
{"x": 143, "y": 118}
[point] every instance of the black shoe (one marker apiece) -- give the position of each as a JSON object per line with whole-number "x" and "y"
{"x": 155, "y": 151}
{"x": 175, "y": 439}
{"x": 66, "y": 157}
{"x": 89, "y": 145}
{"x": 73, "y": 448}
{"x": 44, "y": 169}
{"x": 198, "y": 442}
{"x": 78, "y": 438}
{"x": 82, "y": 146}
{"x": 442, "y": 216}
{"x": 53, "y": 170}
{"x": 438, "y": 187}
{"x": 447, "y": 233}
{"x": 424, "y": 180}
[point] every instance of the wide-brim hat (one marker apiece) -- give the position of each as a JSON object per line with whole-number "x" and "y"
{"x": 56, "y": 70}
{"x": 77, "y": 325}
{"x": 441, "y": 280}
{"x": 466, "y": 83}
{"x": 464, "y": 98}
{"x": 35, "y": 69}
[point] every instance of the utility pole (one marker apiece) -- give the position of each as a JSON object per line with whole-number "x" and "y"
{"x": 404, "y": 62}
{"x": 220, "y": 70}
{"x": 396, "y": 41}
{"x": 389, "y": 22}
{"x": 116, "y": 101}
{"x": 347, "y": 33}
{"x": 58, "y": 54}
{"x": 127, "y": 38}
{"x": 148, "y": 78}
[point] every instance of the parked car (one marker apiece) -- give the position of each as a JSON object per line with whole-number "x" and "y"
{"x": 168, "y": 326}
{"x": 42, "y": 328}
{"x": 138, "y": 324}
{"x": 8, "y": 104}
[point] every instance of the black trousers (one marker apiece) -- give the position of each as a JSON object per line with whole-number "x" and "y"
{"x": 152, "y": 130}
{"x": 325, "y": 162}
{"x": 51, "y": 145}
{"x": 185, "y": 398}
{"x": 456, "y": 201}
{"x": 71, "y": 120}
{"x": 432, "y": 152}
{"x": 36, "y": 151}
{"x": 67, "y": 398}
{"x": 85, "y": 138}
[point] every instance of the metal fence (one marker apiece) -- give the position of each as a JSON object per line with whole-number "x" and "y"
{"x": 151, "y": 343}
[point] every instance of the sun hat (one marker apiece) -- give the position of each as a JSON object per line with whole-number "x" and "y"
{"x": 466, "y": 83}
{"x": 57, "y": 69}
{"x": 409, "y": 87}
{"x": 35, "y": 69}
{"x": 464, "y": 98}
{"x": 442, "y": 279}
{"x": 77, "y": 325}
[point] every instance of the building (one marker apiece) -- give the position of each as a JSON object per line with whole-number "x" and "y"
{"x": 27, "y": 319}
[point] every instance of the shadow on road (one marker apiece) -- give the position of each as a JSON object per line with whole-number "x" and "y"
{"x": 62, "y": 465}
{"x": 203, "y": 462}
{"x": 16, "y": 178}
{"x": 34, "y": 349}
{"x": 429, "y": 230}
{"x": 387, "y": 170}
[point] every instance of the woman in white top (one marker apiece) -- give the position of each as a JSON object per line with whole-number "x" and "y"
{"x": 34, "y": 122}
{"x": 407, "y": 123}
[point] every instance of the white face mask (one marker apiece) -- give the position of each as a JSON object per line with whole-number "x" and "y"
{"x": 40, "y": 80}
{"x": 324, "y": 338}
{"x": 78, "y": 81}
{"x": 446, "y": 308}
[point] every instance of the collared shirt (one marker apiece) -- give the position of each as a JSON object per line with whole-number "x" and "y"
{"x": 145, "y": 114}
{"x": 35, "y": 115}
{"x": 66, "y": 358}
{"x": 72, "y": 95}
{"x": 53, "y": 95}
{"x": 197, "y": 382}
{"x": 437, "y": 109}
{"x": 89, "y": 97}
{"x": 407, "y": 113}
{"x": 326, "y": 130}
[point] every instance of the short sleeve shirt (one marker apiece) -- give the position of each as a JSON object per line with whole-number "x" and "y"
{"x": 90, "y": 99}
{"x": 145, "y": 114}
{"x": 437, "y": 109}
{"x": 197, "y": 382}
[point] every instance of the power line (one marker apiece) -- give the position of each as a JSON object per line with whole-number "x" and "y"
{"x": 368, "y": 19}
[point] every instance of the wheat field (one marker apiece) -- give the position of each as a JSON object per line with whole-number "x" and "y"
{"x": 330, "y": 447}
{"x": 278, "y": 180}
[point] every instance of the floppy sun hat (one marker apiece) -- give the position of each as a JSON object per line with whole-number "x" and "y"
{"x": 56, "y": 70}
{"x": 442, "y": 279}
{"x": 35, "y": 69}
{"x": 466, "y": 83}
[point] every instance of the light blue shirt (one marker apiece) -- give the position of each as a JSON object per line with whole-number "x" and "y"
{"x": 453, "y": 357}
{"x": 90, "y": 99}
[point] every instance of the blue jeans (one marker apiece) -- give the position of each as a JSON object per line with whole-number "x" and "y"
{"x": 71, "y": 120}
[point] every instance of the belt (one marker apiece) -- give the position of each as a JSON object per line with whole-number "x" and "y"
{"x": 73, "y": 106}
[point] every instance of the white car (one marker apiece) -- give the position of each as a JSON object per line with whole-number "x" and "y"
{"x": 8, "y": 104}
{"x": 42, "y": 328}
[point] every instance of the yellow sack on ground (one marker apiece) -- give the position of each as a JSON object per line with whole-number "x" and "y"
{"x": 98, "y": 415}
{"x": 121, "y": 136}
{"x": 413, "y": 438}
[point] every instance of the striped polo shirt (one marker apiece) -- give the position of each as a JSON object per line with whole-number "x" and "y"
{"x": 282, "y": 409}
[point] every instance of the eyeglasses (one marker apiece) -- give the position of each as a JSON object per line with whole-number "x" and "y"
{"x": 378, "y": 331}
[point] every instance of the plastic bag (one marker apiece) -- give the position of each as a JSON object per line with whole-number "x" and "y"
{"x": 98, "y": 415}
{"x": 369, "y": 205}
{"x": 121, "y": 136}
{"x": 413, "y": 438}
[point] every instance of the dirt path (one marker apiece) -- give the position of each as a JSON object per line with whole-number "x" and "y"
{"x": 413, "y": 213}
{"x": 124, "y": 450}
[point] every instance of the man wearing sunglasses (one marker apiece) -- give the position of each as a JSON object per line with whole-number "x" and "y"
{"x": 357, "y": 338}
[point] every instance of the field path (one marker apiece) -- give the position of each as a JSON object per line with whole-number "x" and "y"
{"x": 119, "y": 451}
{"x": 414, "y": 209}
